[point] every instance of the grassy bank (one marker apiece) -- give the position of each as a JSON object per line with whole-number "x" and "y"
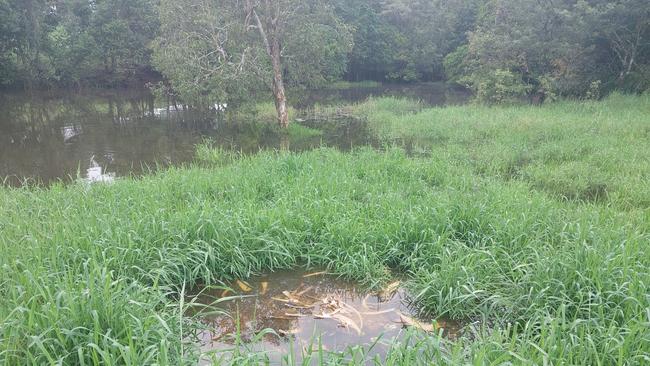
{"x": 596, "y": 151}
{"x": 91, "y": 273}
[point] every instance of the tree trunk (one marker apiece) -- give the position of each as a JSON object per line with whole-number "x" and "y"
{"x": 274, "y": 50}
{"x": 278, "y": 86}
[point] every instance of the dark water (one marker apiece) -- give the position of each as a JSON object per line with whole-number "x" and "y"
{"x": 100, "y": 135}
{"x": 433, "y": 94}
{"x": 308, "y": 311}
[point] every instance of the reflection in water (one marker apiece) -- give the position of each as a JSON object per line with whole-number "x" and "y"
{"x": 95, "y": 173}
{"x": 308, "y": 309}
{"x": 70, "y": 132}
{"x": 50, "y": 136}
{"x": 433, "y": 94}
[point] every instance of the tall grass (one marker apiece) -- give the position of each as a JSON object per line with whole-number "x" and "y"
{"x": 266, "y": 112}
{"x": 91, "y": 274}
{"x": 574, "y": 150}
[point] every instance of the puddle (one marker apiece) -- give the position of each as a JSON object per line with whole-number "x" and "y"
{"x": 305, "y": 308}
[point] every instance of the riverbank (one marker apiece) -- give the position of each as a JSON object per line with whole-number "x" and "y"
{"x": 534, "y": 221}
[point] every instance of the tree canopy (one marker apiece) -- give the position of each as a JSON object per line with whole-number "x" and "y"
{"x": 65, "y": 42}
{"x": 213, "y": 49}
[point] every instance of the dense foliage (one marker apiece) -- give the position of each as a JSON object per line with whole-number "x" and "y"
{"x": 502, "y": 49}
{"x": 68, "y": 42}
{"x": 549, "y": 48}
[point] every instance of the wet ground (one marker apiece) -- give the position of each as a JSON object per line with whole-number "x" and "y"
{"x": 101, "y": 135}
{"x": 308, "y": 311}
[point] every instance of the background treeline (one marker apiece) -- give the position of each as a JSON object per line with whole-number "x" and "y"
{"x": 501, "y": 49}
{"x": 70, "y": 42}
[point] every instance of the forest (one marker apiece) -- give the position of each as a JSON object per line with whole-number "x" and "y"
{"x": 501, "y": 49}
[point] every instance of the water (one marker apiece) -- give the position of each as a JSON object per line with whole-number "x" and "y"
{"x": 102, "y": 135}
{"x": 304, "y": 309}
{"x": 433, "y": 94}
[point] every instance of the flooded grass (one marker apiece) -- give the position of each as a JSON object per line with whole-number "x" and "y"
{"x": 297, "y": 312}
{"x": 91, "y": 273}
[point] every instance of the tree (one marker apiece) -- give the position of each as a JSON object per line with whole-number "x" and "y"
{"x": 229, "y": 48}
{"x": 376, "y": 42}
{"x": 545, "y": 48}
{"x": 10, "y": 41}
{"x": 432, "y": 29}
{"x": 68, "y": 41}
{"x": 122, "y": 31}
{"x": 622, "y": 26}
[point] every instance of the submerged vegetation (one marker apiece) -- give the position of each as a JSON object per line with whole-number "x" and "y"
{"x": 533, "y": 222}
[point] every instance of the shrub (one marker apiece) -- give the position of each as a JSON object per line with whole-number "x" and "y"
{"x": 497, "y": 87}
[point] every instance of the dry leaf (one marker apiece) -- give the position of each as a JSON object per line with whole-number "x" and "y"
{"x": 355, "y": 311}
{"x": 315, "y": 274}
{"x": 244, "y": 286}
{"x": 389, "y": 290}
{"x": 280, "y": 317}
{"x": 411, "y": 322}
{"x": 301, "y": 293}
{"x": 288, "y": 332}
{"x": 294, "y": 315}
{"x": 364, "y": 302}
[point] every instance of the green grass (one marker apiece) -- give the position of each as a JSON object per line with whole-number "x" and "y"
{"x": 586, "y": 151}
{"x": 298, "y": 132}
{"x": 91, "y": 273}
{"x": 266, "y": 112}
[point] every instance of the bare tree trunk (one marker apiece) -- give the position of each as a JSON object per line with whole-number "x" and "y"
{"x": 278, "y": 86}
{"x": 274, "y": 50}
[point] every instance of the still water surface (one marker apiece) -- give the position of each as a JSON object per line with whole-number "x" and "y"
{"x": 100, "y": 135}
{"x": 301, "y": 313}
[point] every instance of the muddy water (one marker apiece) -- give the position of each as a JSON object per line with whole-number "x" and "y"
{"x": 307, "y": 309}
{"x": 102, "y": 135}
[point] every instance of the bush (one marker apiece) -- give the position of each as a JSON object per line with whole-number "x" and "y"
{"x": 638, "y": 81}
{"x": 497, "y": 87}
{"x": 456, "y": 64}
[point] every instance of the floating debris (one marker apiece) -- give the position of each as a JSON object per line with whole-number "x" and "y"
{"x": 244, "y": 286}
{"x": 389, "y": 291}
{"x": 411, "y": 322}
{"x": 225, "y": 293}
{"x": 373, "y": 313}
{"x": 288, "y": 332}
{"x": 314, "y": 309}
{"x": 321, "y": 273}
